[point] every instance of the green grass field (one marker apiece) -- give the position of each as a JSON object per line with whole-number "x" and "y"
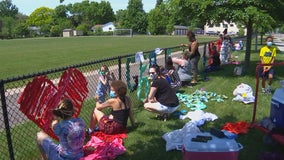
{"x": 145, "y": 141}
{"x": 24, "y": 56}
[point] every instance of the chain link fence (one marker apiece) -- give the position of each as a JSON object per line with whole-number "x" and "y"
{"x": 18, "y": 133}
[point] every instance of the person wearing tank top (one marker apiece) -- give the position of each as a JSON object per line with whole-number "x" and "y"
{"x": 184, "y": 68}
{"x": 121, "y": 110}
{"x": 194, "y": 55}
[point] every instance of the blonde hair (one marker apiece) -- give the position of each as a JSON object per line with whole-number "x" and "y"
{"x": 185, "y": 55}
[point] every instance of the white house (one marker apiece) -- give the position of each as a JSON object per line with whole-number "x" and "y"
{"x": 105, "y": 27}
{"x": 108, "y": 27}
{"x": 232, "y": 28}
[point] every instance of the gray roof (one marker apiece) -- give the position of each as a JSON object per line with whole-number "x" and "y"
{"x": 180, "y": 27}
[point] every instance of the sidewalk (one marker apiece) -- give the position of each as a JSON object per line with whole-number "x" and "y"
{"x": 279, "y": 43}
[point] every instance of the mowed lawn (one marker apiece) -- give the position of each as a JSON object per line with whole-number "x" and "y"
{"x": 24, "y": 56}
{"x": 145, "y": 141}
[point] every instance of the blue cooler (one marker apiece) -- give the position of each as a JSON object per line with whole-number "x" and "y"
{"x": 277, "y": 108}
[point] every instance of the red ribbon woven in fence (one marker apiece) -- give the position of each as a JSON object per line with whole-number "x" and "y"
{"x": 41, "y": 96}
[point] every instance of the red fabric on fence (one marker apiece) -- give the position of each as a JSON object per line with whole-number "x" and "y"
{"x": 41, "y": 96}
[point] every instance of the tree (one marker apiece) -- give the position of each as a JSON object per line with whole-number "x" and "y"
{"x": 243, "y": 12}
{"x": 60, "y": 21}
{"x": 120, "y": 17}
{"x": 21, "y": 30}
{"x": 56, "y": 31}
{"x": 158, "y": 19}
{"x": 60, "y": 12}
{"x": 41, "y": 16}
{"x": 84, "y": 28}
{"x": 8, "y": 13}
{"x": 281, "y": 29}
{"x": 7, "y": 9}
{"x": 105, "y": 13}
{"x": 136, "y": 18}
{"x": 8, "y": 27}
{"x": 158, "y": 2}
{"x": 90, "y": 13}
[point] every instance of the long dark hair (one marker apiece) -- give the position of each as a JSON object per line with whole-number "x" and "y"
{"x": 157, "y": 69}
{"x": 191, "y": 35}
{"x": 169, "y": 64}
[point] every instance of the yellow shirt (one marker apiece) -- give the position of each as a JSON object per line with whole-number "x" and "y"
{"x": 267, "y": 54}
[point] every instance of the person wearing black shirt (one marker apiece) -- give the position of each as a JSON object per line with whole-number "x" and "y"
{"x": 161, "y": 98}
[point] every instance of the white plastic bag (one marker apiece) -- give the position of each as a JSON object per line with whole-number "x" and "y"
{"x": 243, "y": 93}
{"x": 174, "y": 139}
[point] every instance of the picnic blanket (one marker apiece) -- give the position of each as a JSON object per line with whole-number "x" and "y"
{"x": 102, "y": 146}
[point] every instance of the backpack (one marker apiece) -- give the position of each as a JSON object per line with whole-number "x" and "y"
{"x": 238, "y": 70}
{"x": 174, "y": 79}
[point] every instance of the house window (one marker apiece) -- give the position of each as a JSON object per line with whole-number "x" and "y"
{"x": 218, "y": 25}
{"x": 231, "y": 25}
{"x": 225, "y": 25}
{"x": 109, "y": 29}
{"x": 210, "y": 25}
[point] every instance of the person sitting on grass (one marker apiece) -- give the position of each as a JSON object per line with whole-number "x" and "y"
{"x": 121, "y": 109}
{"x": 215, "y": 56}
{"x": 161, "y": 98}
{"x": 171, "y": 75}
{"x": 184, "y": 69}
{"x": 70, "y": 131}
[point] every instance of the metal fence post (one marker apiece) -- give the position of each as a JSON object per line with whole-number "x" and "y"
{"x": 6, "y": 120}
{"x": 119, "y": 67}
{"x": 204, "y": 56}
{"x": 166, "y": 56}
{"x": 256, "y": 41}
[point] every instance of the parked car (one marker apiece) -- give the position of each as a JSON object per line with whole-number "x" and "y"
{"x": 209, "y": 33}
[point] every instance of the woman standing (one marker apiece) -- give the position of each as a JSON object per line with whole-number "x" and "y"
{"x": 194, "y": 55}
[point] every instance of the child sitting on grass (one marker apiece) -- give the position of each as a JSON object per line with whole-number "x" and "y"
{"x": 214, "y": 60}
